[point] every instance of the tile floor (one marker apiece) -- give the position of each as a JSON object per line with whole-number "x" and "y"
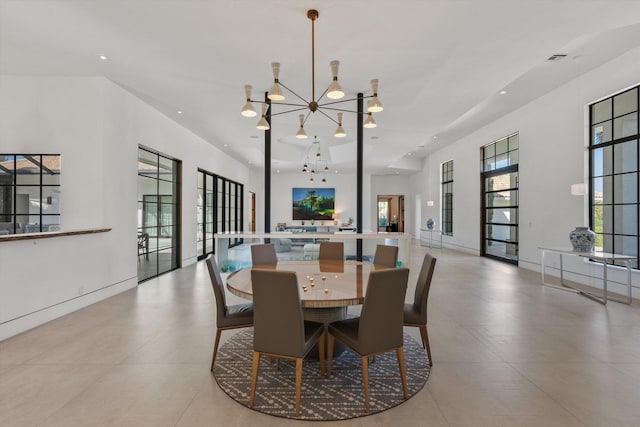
{"x": 507, "y": 352}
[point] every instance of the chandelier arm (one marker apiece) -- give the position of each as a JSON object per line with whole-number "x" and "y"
{"x": 295, "y": 94}
{"x": 343, "y": 100}
{"x": 305, "y": 119}
{"x": 328, "y": 117}
{"x": 285, "y": 112}
{"x": 306, "y": 105}
{"x": 343, "y": 110}
{"x": 290, "y": 104}
{"x": 324, "y": 93}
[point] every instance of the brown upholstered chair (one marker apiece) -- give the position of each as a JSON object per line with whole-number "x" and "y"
{"x": 379, "y": 327}
{"x": 416, "y": 314}
{"x": 279, "y": 327}
{"x": 264, "y": 254}
{"x": 386, "y": 255}
{"x": 331, "y": 250}
{"x": 231, "y": 317}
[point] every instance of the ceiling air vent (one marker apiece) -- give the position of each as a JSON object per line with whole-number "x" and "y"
{"x": 556, "y": 57}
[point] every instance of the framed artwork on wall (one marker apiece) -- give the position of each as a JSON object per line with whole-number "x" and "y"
{"x": 313, "y": 203}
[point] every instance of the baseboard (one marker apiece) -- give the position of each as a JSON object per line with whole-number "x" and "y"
{"x": 30, "y": 321}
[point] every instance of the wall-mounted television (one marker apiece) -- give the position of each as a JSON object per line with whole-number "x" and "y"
{"x": 313, "y": 203}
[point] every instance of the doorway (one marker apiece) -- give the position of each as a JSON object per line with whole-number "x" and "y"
{"x": 159, "y": 201}
{"x": 391, "y": 213}
{"x": 500, "y": 214}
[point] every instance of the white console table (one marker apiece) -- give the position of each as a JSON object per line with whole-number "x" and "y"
{"x": 426, "y": 238}
{"x": 605, "y": 258}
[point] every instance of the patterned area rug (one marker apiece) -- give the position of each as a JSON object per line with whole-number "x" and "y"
{"x": 337, "y": 398}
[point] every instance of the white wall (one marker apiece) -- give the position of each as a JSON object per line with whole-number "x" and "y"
{"x": 553, "y": 137}
{"x": 96, "y": 126}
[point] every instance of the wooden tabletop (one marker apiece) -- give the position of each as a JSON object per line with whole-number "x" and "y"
{"x": 336, "y": 283}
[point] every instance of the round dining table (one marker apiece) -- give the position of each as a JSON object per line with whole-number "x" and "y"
{"x": 327, "y": 287}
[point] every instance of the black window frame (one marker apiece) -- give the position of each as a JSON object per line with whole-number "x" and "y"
{"x": 609, "y": 235}
{"x": 226, "y": 217}
{"x": 158, "y": 204}
{"x": 9, "y": 178}
{"x": 446, "y": 186}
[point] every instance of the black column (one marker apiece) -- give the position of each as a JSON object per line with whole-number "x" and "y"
{"x": 267, "y": 169}
{"x": 359, "y": 173}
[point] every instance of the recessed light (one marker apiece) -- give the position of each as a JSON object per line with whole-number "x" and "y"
{"x": 409, "y": 153}
{"x": 502, "y": 92}
{"x": 179, "y": 111}
{"x": 226, "y": 145}
{"x": 336, "y": 171}
{"x": 435, "y": 137}
{"x": 278, "y": 171}
{"x": 103, "y": 57}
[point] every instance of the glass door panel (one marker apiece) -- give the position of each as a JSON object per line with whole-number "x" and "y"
{"x": 158, "y": 214}
{"x": 500, "y": 214}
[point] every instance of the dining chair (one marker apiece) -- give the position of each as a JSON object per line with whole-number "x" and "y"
{"x": 331, "y": 250}
{"x": 415, "y": 314}
{"x": 379, "y": 328}
{"x": 264, "y": 254}
{"x": 143, "y": 245}
{"x": 227, "y": 317}
{"x": 386, "y": 255}
{"x": 279, "y": 327}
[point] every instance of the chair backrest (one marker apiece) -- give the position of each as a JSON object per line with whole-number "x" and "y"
{"x": 218, "y": 288}
{"x": 142, "y": 240}
{"x": 386, "y": 255}
{"x": 381, "y": 318}
{"x": 331, "y": 250}
{"x": 264, "y": 254}
{"x": 423, "y": 285}
{"x": 277, "y": 313}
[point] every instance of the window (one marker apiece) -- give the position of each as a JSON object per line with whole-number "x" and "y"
{"x": 29, "y": 193}
{"x": 500, "y": 199}
{"x": 614, "y": 174}
{"x": 447, "y": 198}
{"x": 383, "y": 213}
{"x": 220, "y": 209}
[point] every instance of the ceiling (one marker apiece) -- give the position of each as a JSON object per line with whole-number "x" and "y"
{"x": 441, "y": 64}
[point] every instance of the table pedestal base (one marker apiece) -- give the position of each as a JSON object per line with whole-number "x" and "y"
{"x": 326, "y": 316}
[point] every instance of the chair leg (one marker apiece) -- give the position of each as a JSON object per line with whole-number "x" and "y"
{"x": 215, "y": 348}
{"x": 330, "y": 339}
{"x": 403, "y": 371}
{"x": 365, "y": 381}
{"x": 425, "y": 342}
{"x": 298, "y": 384}
{"x": 321, "y": 353}
{"x": 254, "y": 377}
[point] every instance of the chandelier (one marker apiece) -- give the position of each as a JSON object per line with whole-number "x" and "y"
{"x": 334, "y": 93}
{"x": 315, "y": 164}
